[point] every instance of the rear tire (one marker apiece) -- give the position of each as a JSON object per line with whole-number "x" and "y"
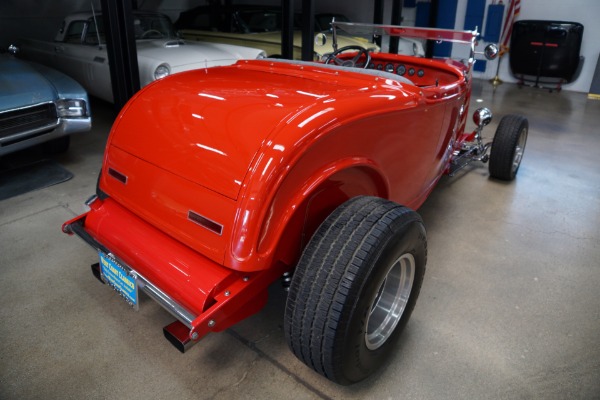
{"x": 508, "y": 147}
{"x": 355, "y": 287}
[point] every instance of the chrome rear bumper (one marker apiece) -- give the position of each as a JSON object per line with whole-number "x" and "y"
{"x": 202, "y": 295}
{"x": 179, "y": 312}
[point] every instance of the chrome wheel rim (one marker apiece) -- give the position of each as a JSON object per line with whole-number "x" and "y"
{"x": 519, "y": 150}
{"x": 390, "y": 301}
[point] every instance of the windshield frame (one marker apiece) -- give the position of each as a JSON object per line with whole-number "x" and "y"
{"x": 466, "y": 37}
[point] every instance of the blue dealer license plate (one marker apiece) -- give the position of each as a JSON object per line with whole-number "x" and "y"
{"x": 119, "y": 279}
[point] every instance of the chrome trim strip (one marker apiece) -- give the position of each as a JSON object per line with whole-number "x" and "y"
{"x": 175, "y": 309}
{"x": 91, "y": 199}
{"x": 16, "y": 138}
{"x": 43, "y": 103}
{"x": 66, "y": 126}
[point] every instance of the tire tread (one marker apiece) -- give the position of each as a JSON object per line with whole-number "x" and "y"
{"x": 323, "y": 294}
{"x": 503, "y": 146}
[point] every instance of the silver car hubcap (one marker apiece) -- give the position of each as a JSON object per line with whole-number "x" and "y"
{"x": 519, "y": 150}
{"x": 390, "y": 301}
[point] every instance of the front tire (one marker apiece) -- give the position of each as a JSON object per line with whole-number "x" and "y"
{"x": 508, "y": 147}
{"x": 355, "y": 287}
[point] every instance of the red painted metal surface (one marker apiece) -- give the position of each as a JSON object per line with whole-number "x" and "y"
{"x": 194, "y": 282}
{"x": 264, "y": 151}
{"x": 246, "y": 146}
{"x": 190, "y": 278}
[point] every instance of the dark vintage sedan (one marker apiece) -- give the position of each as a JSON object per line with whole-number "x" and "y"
{"x": 218, "y": 182}
{"x": 39, "y": 105}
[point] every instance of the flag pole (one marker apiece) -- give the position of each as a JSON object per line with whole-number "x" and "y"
{"x": 496, "y": 81}
{"x": 514, "y": 9}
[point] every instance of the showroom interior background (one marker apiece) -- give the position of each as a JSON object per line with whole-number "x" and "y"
{"x": 30, "y": 18}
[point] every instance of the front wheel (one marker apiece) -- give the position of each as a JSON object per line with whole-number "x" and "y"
{"x": 508, "y": 147}
{"x": 355, "y": 287}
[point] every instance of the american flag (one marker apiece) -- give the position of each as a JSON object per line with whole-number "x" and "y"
{"x": 513, "y": 10}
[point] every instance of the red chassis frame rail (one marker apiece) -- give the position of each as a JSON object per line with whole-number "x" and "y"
{"x": 209, "y": 297}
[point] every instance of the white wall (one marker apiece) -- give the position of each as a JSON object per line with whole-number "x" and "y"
{"x": 586, "y": 12}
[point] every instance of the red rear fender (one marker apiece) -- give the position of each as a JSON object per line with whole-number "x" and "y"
{"x": 296, "y": 214}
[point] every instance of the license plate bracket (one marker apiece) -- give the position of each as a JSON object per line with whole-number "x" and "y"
{"x": 121, "y": 280}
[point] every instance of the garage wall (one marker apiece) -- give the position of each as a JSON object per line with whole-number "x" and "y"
{"x": 41, "y": 19}
{"x": 586, "y": 12}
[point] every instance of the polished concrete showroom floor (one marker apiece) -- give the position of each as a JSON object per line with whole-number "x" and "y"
{"x": 509, "y": 309}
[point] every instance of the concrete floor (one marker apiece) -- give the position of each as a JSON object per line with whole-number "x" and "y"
{"x": 509, "y": 308}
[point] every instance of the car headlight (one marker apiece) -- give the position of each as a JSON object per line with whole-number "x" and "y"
{"x": 71, "y": 108}
{"x": 161, "y": 71}
{"x": 261, "y": 55}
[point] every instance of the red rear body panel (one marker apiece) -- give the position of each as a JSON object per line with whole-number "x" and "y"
{"x": 221, "y": 142}
{"x": 213, "y": 180}
{"x": 158, "y": 258}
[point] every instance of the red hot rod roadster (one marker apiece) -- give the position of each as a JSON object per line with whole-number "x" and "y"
{"x": 218, "y": 182}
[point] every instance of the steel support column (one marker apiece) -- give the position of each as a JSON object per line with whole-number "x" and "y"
{"x": 378, "y": 18}
{"x": 287, "y": 29}
{"x": 396, "y": 20}
{"x": 433, "y": 12}
{"x": 308, "y": 30}
{"x": 120, "y": 45}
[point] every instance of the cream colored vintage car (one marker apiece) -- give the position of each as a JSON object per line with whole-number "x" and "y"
{"x": 254, "y": 26}
{"x": 79, "y": 50}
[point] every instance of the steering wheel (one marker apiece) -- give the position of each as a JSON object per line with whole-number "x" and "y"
{"x": 353, "y": 62}
{"x": 151, "y": 32}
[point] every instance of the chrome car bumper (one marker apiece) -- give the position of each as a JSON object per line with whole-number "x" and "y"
{"x": 151, "y": 290}
{"x": 202, "y": 295}
{"x": 62, "y": 127}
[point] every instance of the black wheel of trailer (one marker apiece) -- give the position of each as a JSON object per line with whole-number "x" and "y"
{"x": 355, "y": 287}
{"x": 508, "y": 147}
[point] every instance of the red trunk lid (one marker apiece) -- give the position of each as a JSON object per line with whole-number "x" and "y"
{"x": 207, "y": 125}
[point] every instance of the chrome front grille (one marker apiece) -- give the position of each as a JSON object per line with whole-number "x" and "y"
{"x": 26, "y": 119}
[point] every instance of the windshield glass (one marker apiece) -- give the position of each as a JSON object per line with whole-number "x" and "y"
{"x": 146, "y": 26}
{"x": 260, "y": 21}
{"x": 446, "y": 35}
{"x": 323, "y": 21}
{"x": 151, "y": 26}
{"x": 255, "y": 21}
{"x": 464, "y": 53}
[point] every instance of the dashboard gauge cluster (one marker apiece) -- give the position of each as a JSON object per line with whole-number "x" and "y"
{"x": 399, "y": 69}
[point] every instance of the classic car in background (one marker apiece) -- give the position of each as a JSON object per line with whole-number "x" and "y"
{"x": 323, "y": 21}
{"x": 79, "y": 50}
{"x": 254, "y": 26}
{"x": 217, "y": 183}
{"x": 39, "y": 105}
{"x": 408, "y": 46}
